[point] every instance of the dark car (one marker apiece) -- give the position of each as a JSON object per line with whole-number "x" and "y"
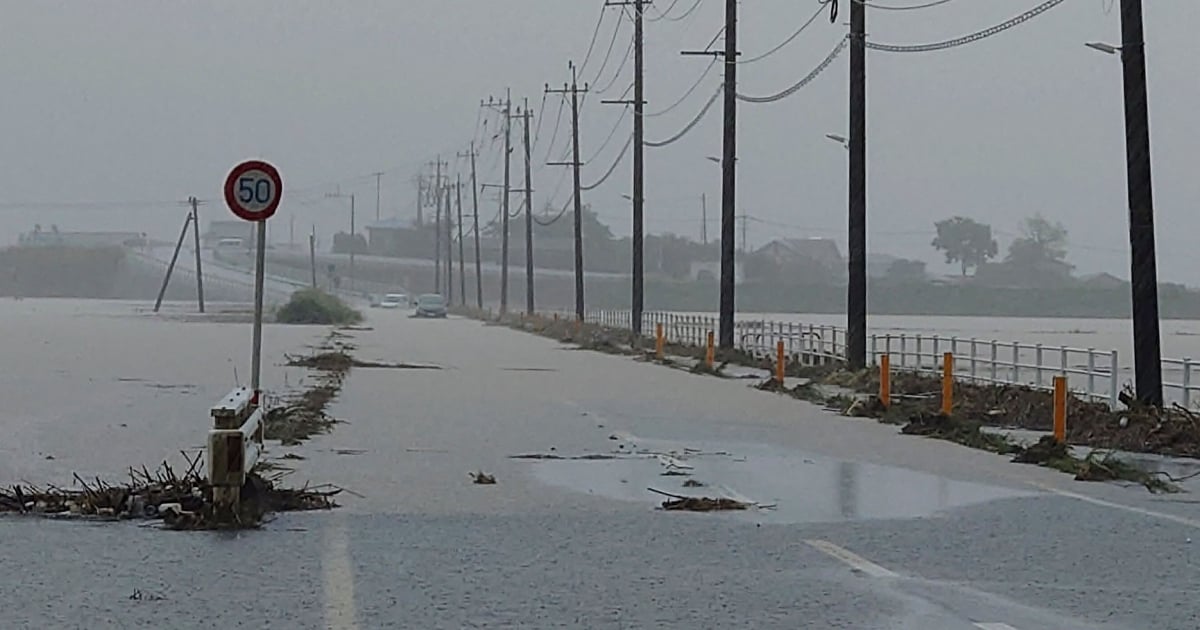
{"x": 430, "y": 305}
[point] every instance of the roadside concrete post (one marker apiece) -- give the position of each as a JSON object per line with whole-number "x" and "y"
{"x": 1016, "y": 363}
{"x": 973, "y": 360}
{"x": 1113, "y": 372}
{"x": 947, "y": 383}
{"x": 994, "y": 357}
{"x": 874, "y": 350}
{"x": 780, "y": 362}
{"x": 1060, "y": 409}
{"x": 885, "y": 380}
{"x": 1091, "y": 377}
{"x": 658, "y": 341}
{"x": 903, "y": 350}
{"x": 1187, "y": 382}
{"x": 920, "y": 359}
{"x": 709, "y": 357}
{"x": 1037, "y": 362}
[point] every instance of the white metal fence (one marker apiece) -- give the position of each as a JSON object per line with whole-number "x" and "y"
{"x": 1092, "y": 374}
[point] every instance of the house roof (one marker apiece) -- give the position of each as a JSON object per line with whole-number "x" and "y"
{"x": 822, "y": 250}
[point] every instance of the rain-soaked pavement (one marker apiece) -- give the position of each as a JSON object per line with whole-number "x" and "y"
{"x": 856, "y": 526}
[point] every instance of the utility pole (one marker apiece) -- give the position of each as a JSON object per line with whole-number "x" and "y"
{"x": 475, "y": 203}
{"x": 199, "y": 269}
{"x": 312, "y": 255}
{"x": 856, "y": 298}
{"x": 1147, "y": 359}
{"x": 575, "y": 164}
{"x": 171, "y": 267}
{"x": 529, "y": 305}
{"x": 639, "y": 197}
{"x": 703, "y": 219}
{"x": 728, "y": 173}
{"x": 504, "y": 107}
{"x": 378, "y": 181}
{"x": 420, "y": 196}
{"x": 437, "y": 244}
{"x": 462, "y": 271}
{"x": 449, "y": 249}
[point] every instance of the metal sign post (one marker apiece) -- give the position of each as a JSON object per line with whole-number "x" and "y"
{"x": 253, "y": 190}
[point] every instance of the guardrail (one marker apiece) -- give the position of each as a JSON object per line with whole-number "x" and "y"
{"x": 1091, "y": 373}
{"x": 234, "y": 444}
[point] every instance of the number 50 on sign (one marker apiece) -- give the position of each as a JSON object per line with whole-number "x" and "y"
{"x": 253, "y": 190}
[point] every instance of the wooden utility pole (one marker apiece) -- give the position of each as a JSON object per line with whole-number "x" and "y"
{"x": 703, "y": 219}
{"x": 728, "y": 173}
{"x": 505, "y": 108}
{"x": 856, "y": 298}
{"x": 639, "y": 198}
{"x": 449, "y": 249}
{"x": 1147, "y": 357}
{"x": 574, "y": 90}
{"x": 312, "y": 255}
{"x": 529, "y": 304}
{"x": 475, "y": 217}
{"x": 199, "y": 269}
{"x": 378, "y": 186}
{"x": 462, "y": 271}
{"x": 437, "y": 244}
{"x": 171, "y": 267}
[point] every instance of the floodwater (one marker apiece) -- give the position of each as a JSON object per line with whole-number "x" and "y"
{"x": 793, "y": 487}
{"x": 1180, "y": 337}
{"x": 93, "y": 386}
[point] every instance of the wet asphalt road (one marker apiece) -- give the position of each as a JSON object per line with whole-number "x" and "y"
{"x": 870, "y": 529}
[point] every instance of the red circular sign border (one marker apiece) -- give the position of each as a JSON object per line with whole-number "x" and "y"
{"x": 231, "y": 196}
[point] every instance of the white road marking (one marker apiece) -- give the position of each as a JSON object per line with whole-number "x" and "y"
{"x": 339, "y": 580}
{"x": 1182, "y": 520}
{"x": 852, "y": 559}
{"x": 994, "y": 626}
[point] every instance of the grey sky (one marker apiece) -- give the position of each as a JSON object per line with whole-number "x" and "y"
{"x": 148, "y": 101}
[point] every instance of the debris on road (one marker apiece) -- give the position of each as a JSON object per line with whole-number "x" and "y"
{"x": 182, "y": 502}
{"x": 692, "y": 483}
{"x": 482, "y": 478}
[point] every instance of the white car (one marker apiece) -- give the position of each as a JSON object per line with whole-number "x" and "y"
{"x": 394, "y": 300}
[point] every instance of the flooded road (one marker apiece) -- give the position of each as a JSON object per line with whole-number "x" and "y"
{"x": 868, "y": 529}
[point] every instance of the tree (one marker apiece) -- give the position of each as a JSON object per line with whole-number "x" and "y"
{"x": 965, "y": 241}
{"x": 1040, "y": 240}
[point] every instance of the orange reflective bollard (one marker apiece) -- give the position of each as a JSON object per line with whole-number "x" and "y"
{"x": 947, "y": 383}
{"x": 1060, "y": 409}
{"x": 885, "y": 380}
{"x": 710, "y": 353}
{"x": 780, "y": 362}
{"x": 658, "y": 341}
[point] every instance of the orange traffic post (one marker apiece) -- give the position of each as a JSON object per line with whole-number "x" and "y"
{"x": 947, "y": 383}
{"x": 1060, "y": 409}
{"x": 658, "y": 341}
{"x": 885, "y": 380}
{"x": 780, "y": 362}
{"x": 709, "y": 354}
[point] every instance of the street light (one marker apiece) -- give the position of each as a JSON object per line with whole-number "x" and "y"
{"x": 840, "y": 139}
{"x": 1104, "y": 48}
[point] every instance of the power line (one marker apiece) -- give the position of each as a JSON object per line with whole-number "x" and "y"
{"x": 595, "y": 33}
{"x": 557, "y": 121}
{"x": 787, "y": 41}
{"x": 802, "y": 82}
{"x": 614, "y": 166}
{"x": 538, "y": 131}
{"x": 663, "y": 15}
{"x": 686, "y": 94}
{"x": 611, "y": 133}
{"x": 911, "y": 7}
{"x": 611, "y": 44}
{"x": 621, "y": 68}
{"x": 556, "y": 218}
{"x": 968, "y": 39}
{"x": 691, "y": 125}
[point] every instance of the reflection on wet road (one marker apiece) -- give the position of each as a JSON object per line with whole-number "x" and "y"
{"x": 799, "y": 487}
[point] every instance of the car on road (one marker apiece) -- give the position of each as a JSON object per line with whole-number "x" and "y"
{"x": 430, "y": 305}
{"x": 394, "y": 300}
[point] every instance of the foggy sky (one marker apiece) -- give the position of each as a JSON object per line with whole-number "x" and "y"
{"x": 113, "y": 111}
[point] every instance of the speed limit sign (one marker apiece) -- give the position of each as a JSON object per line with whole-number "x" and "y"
{"x": 253, "y": 190}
